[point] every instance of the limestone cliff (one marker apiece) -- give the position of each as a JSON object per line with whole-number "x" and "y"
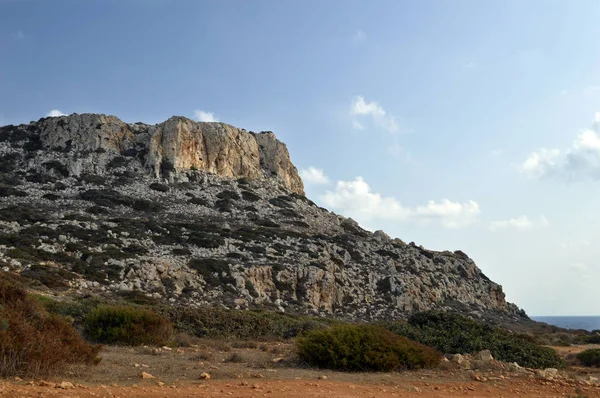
{"x": 176, "y": 145}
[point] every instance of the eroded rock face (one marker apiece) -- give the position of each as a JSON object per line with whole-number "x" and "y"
{"x": 89, "y": 204}
{"x": 176, "y": 145}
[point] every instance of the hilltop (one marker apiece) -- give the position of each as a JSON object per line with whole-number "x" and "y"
{"x": 207, "y": 214}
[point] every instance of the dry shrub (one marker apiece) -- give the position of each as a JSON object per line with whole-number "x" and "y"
{"x": 202, "y": 356}
{"x": 33, "y": 342}
{"x": 235, "y": 358}
{"x": 220, "y": 345}
{"x": 364, "y": 348}
{"x": 244, "y": 344}
{"x": 183, "y": 339}
{"x": 127, "y": 325}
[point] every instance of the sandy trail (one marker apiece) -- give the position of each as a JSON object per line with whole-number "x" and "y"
{"x": 313, "y": 388}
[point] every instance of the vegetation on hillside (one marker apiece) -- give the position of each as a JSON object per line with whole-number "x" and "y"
{"x": 364, "y": 348}
{"x": 34, "y": 342}
{"x": 127, "y": 325}
{"x": 457, "y": 334}
{"x": 590, "y": 357}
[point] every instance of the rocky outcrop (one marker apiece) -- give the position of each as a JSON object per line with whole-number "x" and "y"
{"x": 176, "y": 145}
{"x": 92, "y": 205}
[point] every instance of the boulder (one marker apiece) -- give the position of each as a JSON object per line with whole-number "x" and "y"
{"x": 485, "y": 356}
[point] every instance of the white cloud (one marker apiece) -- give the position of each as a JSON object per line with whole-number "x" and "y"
{"x": 450, "y": 214}
{"x": 521, "y": 222}
{"x": 355, "y": 199}
{"x": 55, "y": 113}
{"x": 314, "y": 176}
{"x": 575, "y": 245}
{"x": 578, "y": 267}
{"x": 203, "y": 116}
{"x": 469, "y": 65}
{"x": 540, "y": 163}
{"x": 563, "y": 93}
{"x": 363, "y": 109}
{"x": 357, "y": 126}
{"x": 359, "y": 36}
{"x": 580, "y": 161}
{"x": 496, "y": 152}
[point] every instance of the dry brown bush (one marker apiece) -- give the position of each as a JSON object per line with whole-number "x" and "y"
{"x": 33, "y": 342}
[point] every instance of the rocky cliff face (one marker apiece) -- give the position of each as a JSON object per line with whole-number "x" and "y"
{"x": 205, "y": 214}
{"x": 170, "y": 148}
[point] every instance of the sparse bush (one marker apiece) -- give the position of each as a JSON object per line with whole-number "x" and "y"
{"x": 93, "y": 179}
{"x": 118, "y": 161}
{"x": 51, "y": 196}
{"x": 58, "y": 167}
{"x": 457, "y": 334}
{"x": 127, "y": 325}
{"x": 183, "y": 339}
{"x": 181, "y": 251}
{"x": 250, "y": 196}
{"x": 364, "y": 348}
{"x": 265, "y": 222}
{"x": 39, "y": 178}
{"x": 6, "y": 191}
{"x": 214, "y": 271}
{"x": 166, "y": 167}
{"x": 243, "y": 181}
{"x": 33, "y": 342}
{"x": 97, "y": 210}
{"x": 228, "y": 195}
{"x": 202, "y": 356}
{"x": 129, "y": 153}
{"x": 224, "y": 205}
{"x": 159, "y": 187}
{"x": 245, "y": 344}
{"x": 241, "y": 324}
{"x": 206, "y": 240}
{"x": 234, "y": 357}
{"x": 282, "y": 201}
{"x": 590, "y": 357}
{"x": 198, "y": 201}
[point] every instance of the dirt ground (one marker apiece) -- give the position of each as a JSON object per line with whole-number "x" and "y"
{"x": 250, "y": 369}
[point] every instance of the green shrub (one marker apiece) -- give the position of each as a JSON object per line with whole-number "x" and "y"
{"x": 241, "y": 324}
{"x": 127, "y": 325}
{"x": 33, "y": 342}
{"x": 590, "y": 357}
{"x": 364, "y": 348}
{"x": 457, "y": 334}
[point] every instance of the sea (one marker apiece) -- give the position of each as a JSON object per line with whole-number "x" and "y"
{"x": 571, "y": 322}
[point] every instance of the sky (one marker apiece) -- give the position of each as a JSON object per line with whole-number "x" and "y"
{"x": 464, "y": 124}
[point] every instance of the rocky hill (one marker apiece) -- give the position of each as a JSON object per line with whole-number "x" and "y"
{"x": 202, "y": 214}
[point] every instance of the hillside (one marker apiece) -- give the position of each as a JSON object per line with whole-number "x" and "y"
{"x": 198, "y": 214}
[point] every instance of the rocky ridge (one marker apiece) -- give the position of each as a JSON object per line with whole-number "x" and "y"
{"x": 206, "y": 214}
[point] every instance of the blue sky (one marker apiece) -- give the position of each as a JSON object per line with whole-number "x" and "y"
{"x": 455, "y": 124}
